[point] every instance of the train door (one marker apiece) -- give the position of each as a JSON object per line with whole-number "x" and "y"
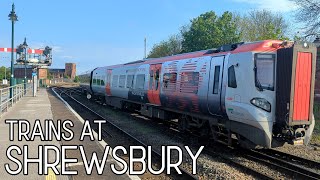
{"x": 91, "y": 81}
{"x": 154, "y": 84}
{"x": 108, "y": 81}
{"x": 215, "y": 84}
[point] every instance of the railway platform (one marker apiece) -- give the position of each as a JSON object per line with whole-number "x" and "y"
{"x": 47, "y": 105}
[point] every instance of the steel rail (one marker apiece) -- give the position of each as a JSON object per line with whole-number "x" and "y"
{"x": 290, "y": 157}
{"x": 282, "y": 165}
{"x": 235, "y": 163}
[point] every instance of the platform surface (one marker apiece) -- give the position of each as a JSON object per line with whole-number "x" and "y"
{"x": 47, "y": 106}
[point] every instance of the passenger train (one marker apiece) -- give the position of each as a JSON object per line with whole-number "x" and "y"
{"x": 257, "y": 94}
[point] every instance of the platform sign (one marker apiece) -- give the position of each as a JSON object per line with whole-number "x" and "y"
{"x": 4, "y": 81}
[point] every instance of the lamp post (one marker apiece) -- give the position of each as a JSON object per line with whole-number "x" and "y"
{"x": 12, "y": 17}
{"x": 25, "y": 46}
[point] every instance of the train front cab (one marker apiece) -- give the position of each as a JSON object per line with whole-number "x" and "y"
{"x": 249, "y": 97}
{"x": 269, "y": 95}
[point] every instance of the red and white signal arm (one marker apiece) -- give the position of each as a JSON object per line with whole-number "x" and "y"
{"x": 35, "y": 51}
{"x": 30, "y": 51}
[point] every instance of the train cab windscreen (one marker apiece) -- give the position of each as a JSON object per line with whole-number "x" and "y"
{"x": 265, "y": 71}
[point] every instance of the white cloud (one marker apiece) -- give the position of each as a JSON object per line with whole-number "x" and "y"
{"x": 67, "y": 57}
{"x": 56, "y": 48}
{"x": 272, "y": 5}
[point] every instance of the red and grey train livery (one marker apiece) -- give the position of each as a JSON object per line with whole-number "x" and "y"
{"x": 255, "y": 94}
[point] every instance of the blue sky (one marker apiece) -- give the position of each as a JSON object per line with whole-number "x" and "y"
{"x": 106, "y": 32}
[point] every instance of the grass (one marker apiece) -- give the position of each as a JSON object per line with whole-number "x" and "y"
{"x": 316, "y": 134}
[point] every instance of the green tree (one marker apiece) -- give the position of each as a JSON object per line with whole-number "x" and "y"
{"x": 49, "y": 75}
{"x": 261, "y": 25}
{"x": 66, "y": 76}
{"x": 297, "y": 37}
{"x": 208, "y": 31}
{"x": 76, "y": 79}
{"x": 3, "y": 74}
{"x": 168, "y": 47}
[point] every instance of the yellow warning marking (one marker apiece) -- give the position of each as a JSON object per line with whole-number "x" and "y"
{"x": 298, "y": 142}
{"x": 51, "y": 175}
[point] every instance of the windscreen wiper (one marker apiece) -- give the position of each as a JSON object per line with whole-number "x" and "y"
{"x": 258, "y": 84}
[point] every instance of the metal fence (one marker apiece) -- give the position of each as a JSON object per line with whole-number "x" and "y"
{"x": 18, "y": 92}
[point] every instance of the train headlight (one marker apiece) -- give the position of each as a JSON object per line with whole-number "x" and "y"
{"x": 261, "y": 103}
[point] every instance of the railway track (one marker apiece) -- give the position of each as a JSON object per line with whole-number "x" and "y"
{"x": 284, "y": 162}
{"x": 292, "y": 158}
{"x": 277, "y": 160}
{"x": 155, "y": 154}
{"x": 237, "y": 164}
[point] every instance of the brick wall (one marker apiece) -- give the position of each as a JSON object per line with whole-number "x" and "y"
{"x": 43, "y": 73}
{"x": 70, "y": 70}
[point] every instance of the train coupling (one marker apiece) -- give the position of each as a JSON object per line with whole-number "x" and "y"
{"x": 295, "y": 137}
{"x": 299, "y": 136}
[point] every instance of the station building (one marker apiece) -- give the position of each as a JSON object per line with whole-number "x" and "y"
{"x": 45, "y": 74}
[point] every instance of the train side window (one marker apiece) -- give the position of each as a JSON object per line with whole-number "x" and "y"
{"x": 216, "y": 80}
{"x": 151, "y": 79}
{"x": 102, "y": 80}
{"x": 122, "y": 81}
{"x": 232, "y": 81}
{"x": 98, "y": 80}
{"x": 157, "y": 79}
{"x": 140, "y": 81}
{"x": 189, "y": 82}
{"x": 130, "y": 79}
{"x": 169, "y": 81}
{"x": 115, "y": 81}
{"x": 94, "y": 81}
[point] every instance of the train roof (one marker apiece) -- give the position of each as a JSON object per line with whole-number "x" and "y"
{"x": 86, "y": 72}
{"x": 258, "y": 46}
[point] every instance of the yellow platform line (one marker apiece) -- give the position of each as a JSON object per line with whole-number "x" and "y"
{"x": 51, "y": 175}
